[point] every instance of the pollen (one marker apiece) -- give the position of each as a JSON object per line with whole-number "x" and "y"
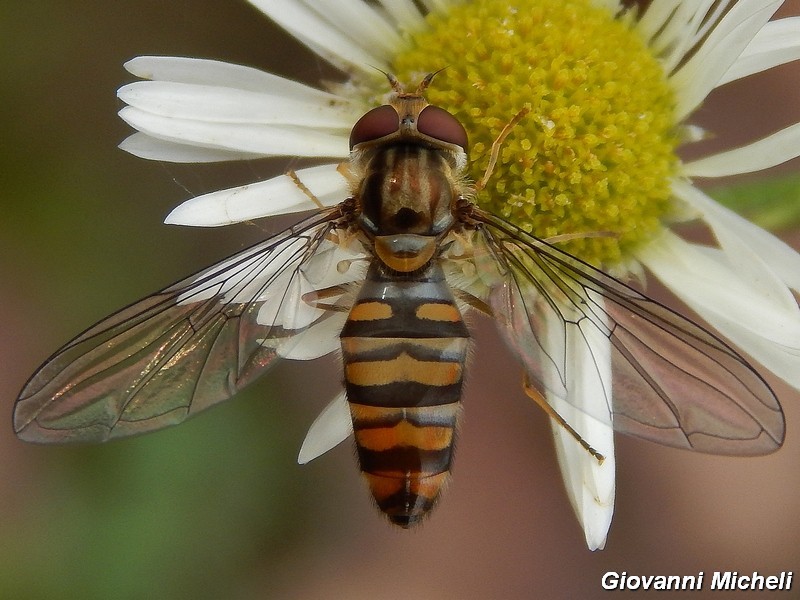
{"x": 593, "y": 157}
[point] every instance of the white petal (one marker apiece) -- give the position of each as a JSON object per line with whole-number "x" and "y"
{"x": 614, "y": 6}
{"x": 359, "y": 21}
{"x": 745, "y": 240}
{"x": 321, "y": 37}
{"x": 288, "y": 298}
{"x": 777, "y": 43}
{"x": 217, "y": 104}
{"x": 672, "y": 27}
{"x": 726, "y": 41}
{"x": 277, "y": 281}
{"x": 765, "y": 153}
{"x": 318, "y": 340}
{"x": 438, "y": 5}
{"x": 329, "y": 429}
{"x": 284, "y": 306}
{"x": 405, "y": 14}
{"x": 654, "y": 21}
{"x": 704, "y": 279}
{"x": 590, "y": 485}
{"x": 144, "y": 146}
{"x": 267, "y": 140}
{"x": 221, "y": 74}
{"x": 333, "y": 267}
{"x": 279, "y": 195}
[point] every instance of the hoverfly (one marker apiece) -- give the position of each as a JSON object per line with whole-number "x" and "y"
{"x": 389, "y": 271}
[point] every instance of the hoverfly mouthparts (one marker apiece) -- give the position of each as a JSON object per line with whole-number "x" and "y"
{"x": 408, "y": 117}
{"x": 418, "y": 253}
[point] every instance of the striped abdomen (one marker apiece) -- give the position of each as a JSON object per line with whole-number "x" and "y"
{"x": 404, "y": 347}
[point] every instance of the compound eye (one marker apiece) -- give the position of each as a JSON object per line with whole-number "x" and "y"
{"x": 439, "y": 124}
{"x": 377, "y": 123}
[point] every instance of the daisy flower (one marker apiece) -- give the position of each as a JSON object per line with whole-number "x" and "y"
{"x": 608, "y": 93}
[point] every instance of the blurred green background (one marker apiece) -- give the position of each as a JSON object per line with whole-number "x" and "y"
{"x": 217, "y": 508}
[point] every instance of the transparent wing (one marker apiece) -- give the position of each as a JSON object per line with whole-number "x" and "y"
{"x": 187, "y": 347}
{"x": 672, "y": 381}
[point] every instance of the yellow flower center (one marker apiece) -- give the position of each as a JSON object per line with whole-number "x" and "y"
{"x": 596, "y": 152}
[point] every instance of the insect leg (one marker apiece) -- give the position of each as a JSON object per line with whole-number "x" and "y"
{"x": 313, "y": 298}
{"x": 537, "y": 397}
{"x": 497, "y": 144}
{"x": 292, "y": 174}
{"x": 473, "y": 302}
{"x": 567, "y": 237}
